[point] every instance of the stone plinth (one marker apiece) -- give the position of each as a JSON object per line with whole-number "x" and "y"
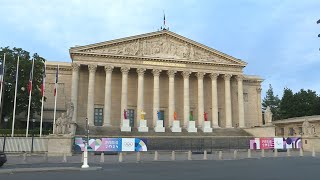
{"x": 206, "y": 126}
{"x": 176, "y": 126}
{"x": 159, "y": 126}
{"x": 308, "y": 143}
{"x": 126, "y": 125}
{"x": 191, "y": 126}
{"x": 58, "y": 145}
{"x": 143, "y": 126}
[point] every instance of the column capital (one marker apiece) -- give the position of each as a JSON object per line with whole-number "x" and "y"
{"x": 92, "y": 68}
{"x": 200, "y": 75}
{"x": 141, "y": 71}
{"x": 156, "y": 72}
{"x": 186, "y": 74}
{"x": 227, "y": 77}
{"x": 108, "y": 68}
{"x": 240, "y": 77}
{"x": 125, "y": 69}
{"x": 259, "y": 89}
{"x": 214, "y": 76}
{"x": 171, "y": 73}
{"x": 75, "y": 67}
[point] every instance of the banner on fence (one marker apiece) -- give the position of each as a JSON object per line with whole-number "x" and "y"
{"x": 111, "y": 144}
{"x": 276, "y": 143}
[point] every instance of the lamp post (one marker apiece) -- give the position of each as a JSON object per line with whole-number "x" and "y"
{"x": 5, "y": 133}
{"x": 85, "y": 153}
{"x": 33, "y": 122}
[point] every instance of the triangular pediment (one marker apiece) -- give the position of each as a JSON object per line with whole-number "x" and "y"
{"x": 161, "y": 44}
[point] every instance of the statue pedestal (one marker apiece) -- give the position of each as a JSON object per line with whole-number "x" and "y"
{"x": 192, "y": 126}
{"x": 143, "y": 126}
{"x": 176, "y": 126}
{"x": 159, "y": 126}
{"x": 125, "y": 125}
{"x": 58, "y": 145}
{"x": 206, "y": 126}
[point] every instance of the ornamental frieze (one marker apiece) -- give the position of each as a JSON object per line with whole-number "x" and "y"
{"x": 160, "y": 47}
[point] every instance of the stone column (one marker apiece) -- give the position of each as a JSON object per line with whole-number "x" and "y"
{"x": 107, "y": 96}
{"x": 156, "y": 95}
{"x": 171, "y": 74}
{"x": 90, "y": 107}
{"x": 214, "y": 100}
{"x": 227, "y": 92}
{"x": 200, "y": 98}
{"x": 124, "y": 90}
{"x": 74, "y": 90}
{"x": 140, "y": 97}
{"x": 240, "y": 101}
{"x": 260, "y": 123}
{"x": 186, "y": 98}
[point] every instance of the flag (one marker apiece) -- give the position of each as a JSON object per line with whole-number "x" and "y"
{"x": 56, "y": 83}
{"x": 30, "y": 82}
{"x": 164, "y": 19}
{"x": 318, "y": 22}
{"x": 43, "y": 81}
{"x": 1, "y": 72}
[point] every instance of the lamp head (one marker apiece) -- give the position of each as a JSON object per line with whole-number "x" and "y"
{"x": 33, "y": 120}
{"x": 5, "y": 119}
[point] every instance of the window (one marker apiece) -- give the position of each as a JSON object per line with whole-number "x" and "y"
{"x": 131, "y": 117}
{"x": 300, "y": 130}
{"x": 162, "y": 117}
{"x": 291, "y": 131}
{"x": 98, "y": 116}
{"x": 281, "y": 131}
{"x": 245, "y": 97}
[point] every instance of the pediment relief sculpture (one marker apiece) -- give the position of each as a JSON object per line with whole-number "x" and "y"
{"x": 160, "y": 47}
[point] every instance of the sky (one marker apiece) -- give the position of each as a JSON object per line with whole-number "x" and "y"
{"x": 278, "y": 39}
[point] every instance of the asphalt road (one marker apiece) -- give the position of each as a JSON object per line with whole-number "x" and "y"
{"x": 249, "y": 169}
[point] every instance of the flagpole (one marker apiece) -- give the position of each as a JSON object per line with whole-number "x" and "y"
{"x": 2, "y": 78}
{"x": 15, "y": 98}
{"x": 43, "y": 84}
{"x": 55, "y": 102}
{"x": 30, "y": 93}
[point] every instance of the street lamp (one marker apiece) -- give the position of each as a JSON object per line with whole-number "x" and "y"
{"x": 5, "y": 133}
{"x": 33, "y": 122}
{"x": 85, "y": 153}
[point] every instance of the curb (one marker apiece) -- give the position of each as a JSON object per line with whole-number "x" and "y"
{"x": 47, "y": 169}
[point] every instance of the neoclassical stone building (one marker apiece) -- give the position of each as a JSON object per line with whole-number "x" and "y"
{"x": 159, "y": 71}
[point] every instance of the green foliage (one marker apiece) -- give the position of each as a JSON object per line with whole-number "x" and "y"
{"x": 273, "y": 102}
{"x": 302, "y": 103}
{"x": 23, "y": 78}
{"x": 22, "y": 132}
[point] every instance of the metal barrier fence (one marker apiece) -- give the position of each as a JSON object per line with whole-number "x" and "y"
{"x": 24, "y": 144}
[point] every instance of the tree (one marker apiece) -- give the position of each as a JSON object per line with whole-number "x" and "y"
{"x": 273, "y": 102}
{"x": 23, "y": 79}
{"x": 286, "y": 104}
{"x": 306, "y": 103}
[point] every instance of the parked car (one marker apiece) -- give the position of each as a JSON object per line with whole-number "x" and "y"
{"x": 3, "y": 158}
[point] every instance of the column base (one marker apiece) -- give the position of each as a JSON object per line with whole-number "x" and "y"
{"x": 159, "y": 126}
{"x": 206, "y": 126}
{"x": 125, "y": 125}
{"x": 143, "y": 126}
{"x": 176, "y": 126}
{"x": 229, "y": 127}
{"x": 216, "y": 126}
{"x": 192, "y": 126}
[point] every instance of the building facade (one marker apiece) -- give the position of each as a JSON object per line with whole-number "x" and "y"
{"x": 159, "y": 71}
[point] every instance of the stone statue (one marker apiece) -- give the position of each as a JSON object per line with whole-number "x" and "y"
{"x": 158, "y": 113}
{"x": 62, "y": 125}
{"x": 306, "y": 128}
{"x": 205, "y": 114}
{"x": 175, "y": 115}
{"x": 191, "y": 117}
{"x": 70, "y": 111}
{"x": 268, "y": 116}
{"x": 142, "y": 114}
{"x": 125, "y": 115}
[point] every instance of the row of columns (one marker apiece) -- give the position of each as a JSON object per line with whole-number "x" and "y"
{"x": 156, "y": 95}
